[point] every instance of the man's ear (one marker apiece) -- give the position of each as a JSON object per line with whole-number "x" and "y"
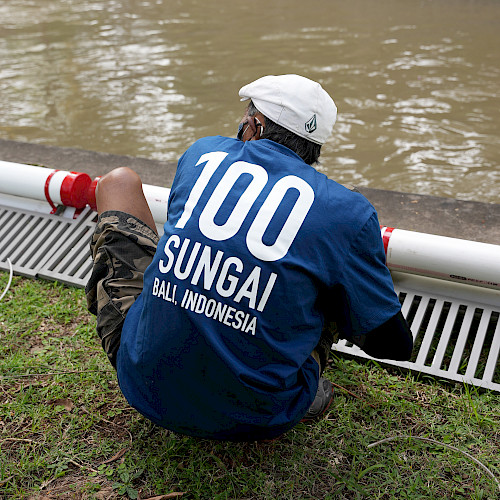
{"x": 252, "y": 128}
{"x": 256, "y": 125}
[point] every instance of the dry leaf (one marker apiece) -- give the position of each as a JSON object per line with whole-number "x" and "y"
{"x": 67, "y": 404}
{"x": 116, "y": 456}
{"x": 105, "y": 493}
{"x": 38, "y": 349}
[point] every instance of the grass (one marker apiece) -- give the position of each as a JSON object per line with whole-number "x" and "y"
{"x": 67, "y": 432}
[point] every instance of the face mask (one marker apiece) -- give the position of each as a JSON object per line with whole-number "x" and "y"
{"x": 241, "y": 131}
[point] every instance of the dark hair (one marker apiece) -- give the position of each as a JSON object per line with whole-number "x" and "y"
{"x": 309, "y": 151}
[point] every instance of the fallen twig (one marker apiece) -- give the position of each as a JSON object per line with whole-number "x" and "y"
{"x": 18, "y": 439}
{"x": 352, "y": 394}
{"x": 119, "y": 426}
{"x": 6, "y": 480}
{"x": 70, "y": 461}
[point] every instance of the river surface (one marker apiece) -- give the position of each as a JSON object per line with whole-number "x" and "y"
{"x": 417, "y": 83}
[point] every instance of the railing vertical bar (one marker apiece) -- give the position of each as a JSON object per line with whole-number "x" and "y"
{"x": 478, "y": 344}
{"x": 461, "y": 340}
{"x": 491, "y": 362}
{"x": 429, "y": 332}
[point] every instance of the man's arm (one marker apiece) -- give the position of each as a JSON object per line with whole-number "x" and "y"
{"x": 391, "y": 340}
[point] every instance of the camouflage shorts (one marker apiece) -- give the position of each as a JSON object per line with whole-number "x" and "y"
{"x": 122, "y": 247}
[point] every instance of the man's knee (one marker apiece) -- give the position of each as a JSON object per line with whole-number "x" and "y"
{"x": 117, "y": 189}
{"x": 122, "y": 179}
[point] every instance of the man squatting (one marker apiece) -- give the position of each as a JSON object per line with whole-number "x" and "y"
{"x": 222, "y": 327}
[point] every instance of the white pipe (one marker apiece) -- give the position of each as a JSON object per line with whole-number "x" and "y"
{"x": 57, "y": 187}
{"x": 157, "y": 198}
{"x": 23, "y": 180}
{"x": 451, "y": 259}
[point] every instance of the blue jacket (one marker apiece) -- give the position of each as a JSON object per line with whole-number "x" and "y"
{"x": 258, "y": 248}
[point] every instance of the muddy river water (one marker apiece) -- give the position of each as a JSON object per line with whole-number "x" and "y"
{"x": 417, "y": 83}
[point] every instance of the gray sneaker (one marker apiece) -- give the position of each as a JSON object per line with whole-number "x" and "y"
{"x": 322, "y": 401}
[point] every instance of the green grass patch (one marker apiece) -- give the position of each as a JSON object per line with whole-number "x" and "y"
{"x": 67, "y": 432}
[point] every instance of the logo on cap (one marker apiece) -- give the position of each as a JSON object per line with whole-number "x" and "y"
{"x": 311, "y": 125}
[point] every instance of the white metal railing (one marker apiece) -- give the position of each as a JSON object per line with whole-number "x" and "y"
{"x": 455, "y": 327}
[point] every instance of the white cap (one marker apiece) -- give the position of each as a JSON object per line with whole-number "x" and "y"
{"x": 294, "y": 102}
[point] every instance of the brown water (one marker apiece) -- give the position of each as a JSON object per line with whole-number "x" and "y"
{"x": 417, "y": 83}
